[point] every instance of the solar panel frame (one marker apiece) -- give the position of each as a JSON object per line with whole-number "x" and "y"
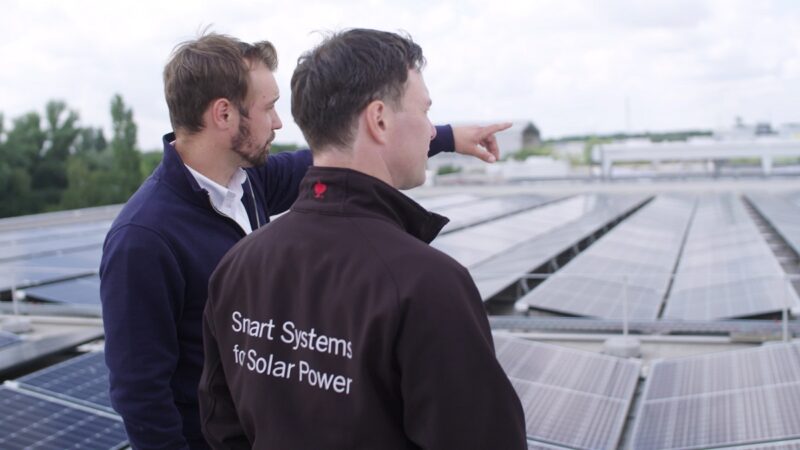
{"x": 82, "y": 380}
{"x": 34, "y": 421}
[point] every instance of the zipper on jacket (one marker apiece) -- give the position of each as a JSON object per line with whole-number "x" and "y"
{"x": 230, "y": 220}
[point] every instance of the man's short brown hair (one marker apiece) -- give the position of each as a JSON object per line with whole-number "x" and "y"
{"x": 335, "y": 81}
{"x": 208, "y": 68}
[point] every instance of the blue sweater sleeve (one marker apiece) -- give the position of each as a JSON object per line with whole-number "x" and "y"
{"x": 443, "y": 142}
{"x": 141, "y": 288}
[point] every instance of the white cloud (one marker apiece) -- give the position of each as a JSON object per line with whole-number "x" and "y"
{"x": 568, "y": 66}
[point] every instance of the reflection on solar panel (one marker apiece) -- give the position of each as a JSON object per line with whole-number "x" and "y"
{"x": 7, "y": 339}
{"x": 498, "y": 272}
{"x": 726, "y": 270}
{"x": 482, "y": 210}
{"x": 733, "y": 398}
{"x": 38, "y": 270}
{"x": 571, "y": 398}
{"x": 782, "y": 214}
{"x": 80, "y": 291}
{"x": 34, "y": 422}
{"x": 83, "y": 379}
{"x": 633, "y": 262}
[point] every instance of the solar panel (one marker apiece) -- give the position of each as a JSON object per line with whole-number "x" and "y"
{"x": 485, "y": 209}
{"x": 32, "y": 421}
{"x": 727, "y": 269}
{"x": 440, "y": 202}
{"x": 739, "y": 397}
{"x": 7, "y": 339}
{"x": 54, "y": 232}
{"x": 498, "y": 272}
{"x": 83, "y": 379}
{"x": 473, "y": 245}
{"x": 79, "y": 291}
{"x": 783, "y": 214}
{"x": 21, "y": 250}
{"x": 571, "y": 398}
{"x": 633, "y": 263}
{"x": 44, "y": 269}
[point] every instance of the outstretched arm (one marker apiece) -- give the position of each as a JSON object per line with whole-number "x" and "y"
{"x": 479, "y": 141}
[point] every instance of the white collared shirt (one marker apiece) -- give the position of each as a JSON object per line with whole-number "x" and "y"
{"x": 227, "y": 200}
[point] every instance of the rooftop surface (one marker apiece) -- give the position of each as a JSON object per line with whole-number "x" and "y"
{"x": 629, "y": 314}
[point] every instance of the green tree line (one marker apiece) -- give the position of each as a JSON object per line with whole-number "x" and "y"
{"x": 50, "y": 162}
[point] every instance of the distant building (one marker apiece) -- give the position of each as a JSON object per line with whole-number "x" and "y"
{"x": 530, "y": 136}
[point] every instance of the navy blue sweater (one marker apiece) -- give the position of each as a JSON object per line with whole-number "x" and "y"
{"x": 157, "y": 259}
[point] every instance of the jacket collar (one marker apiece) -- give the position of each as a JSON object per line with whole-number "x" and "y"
{"x": 173, "y": 172}
{"x": 348, "y": 192}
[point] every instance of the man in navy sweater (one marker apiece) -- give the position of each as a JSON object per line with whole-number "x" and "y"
{"x": 213, "y": 187}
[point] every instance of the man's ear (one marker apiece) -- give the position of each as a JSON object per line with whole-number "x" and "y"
{"x": 221, "y": 113}
{"x": 376, "y": 120}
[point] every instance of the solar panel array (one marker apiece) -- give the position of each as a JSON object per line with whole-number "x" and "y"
{"x": 727, "y": 270}
{"x": 571, "y": 398}
{"x": 782, "y": 214}
{"x": 83, "y": 379}
{"x": 502, "y": 270}
{"x": 633, "y": 262}
{"x": 743, "y": 397}
{"x": 30, "y": 421}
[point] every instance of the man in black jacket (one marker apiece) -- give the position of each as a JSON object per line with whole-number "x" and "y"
{"x": 338, "y": 326}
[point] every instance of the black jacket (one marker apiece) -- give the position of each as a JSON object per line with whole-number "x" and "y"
{"x": 338, "y": 327}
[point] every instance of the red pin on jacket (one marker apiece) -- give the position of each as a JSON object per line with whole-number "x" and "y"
{"x": 319, "y": 189}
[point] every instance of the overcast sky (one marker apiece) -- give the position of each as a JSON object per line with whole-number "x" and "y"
{"x": 569, "y": 66}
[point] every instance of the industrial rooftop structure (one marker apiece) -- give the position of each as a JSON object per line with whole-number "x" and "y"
{"x": 626, "y": 316}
